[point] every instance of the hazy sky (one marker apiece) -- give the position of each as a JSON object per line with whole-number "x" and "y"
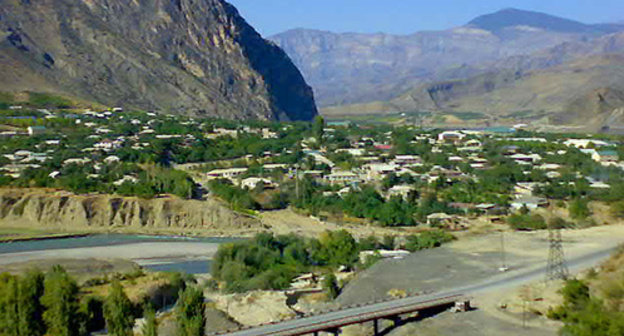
{"x": 406, "y": 16}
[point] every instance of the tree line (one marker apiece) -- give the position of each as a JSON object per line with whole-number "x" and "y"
{"x": 38, "y": 304}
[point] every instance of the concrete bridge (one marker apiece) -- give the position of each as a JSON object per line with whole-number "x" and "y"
{"x": 332, "y": 322}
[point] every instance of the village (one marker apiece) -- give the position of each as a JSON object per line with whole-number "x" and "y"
{"x": 465, "y": 171}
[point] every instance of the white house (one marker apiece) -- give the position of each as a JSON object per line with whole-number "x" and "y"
{"x": 229, "y": 173}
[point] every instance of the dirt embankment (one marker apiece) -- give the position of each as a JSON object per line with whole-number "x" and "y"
{"x": 62, "y": 211}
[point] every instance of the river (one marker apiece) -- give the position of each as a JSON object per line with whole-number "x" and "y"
{"x": 161, "y": 253}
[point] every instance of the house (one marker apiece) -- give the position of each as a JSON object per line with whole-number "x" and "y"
{"x": 53, "y": 142}
{"x": 603, "y": 156}
{"x": 126, "y": 178}
{"x": 525, "y": 188}
{"x": 385, "y": 254}
{"x": 403, "y": 160}
{"x": 342, "y": 177}
{"x": 400, "y": 190}
{"x": 549, "y": 166}
{"x": 436, "y": 219}
{"x": 76, "y": 161}
{"x": 585, "y": 143}
{"x": 379, "y": 170}
{"x": 36, "y": 130}
{"x": 384, "y": 148}
{"x": 269, "y": 167}
{"x": 443, "y": 220}
{"x": 451, "y": 137}
{"x": 526, "y": 158}
{"x": 253, "y": 182}
{"x": 108, "y": 144}
{"x": 229, "y": 173}
{"x": 530, "y": 202}
{"x": 112, "y": 159}
{"x": 352, "y": 151}
{"x": 102, "y": 130}
{"x": 607, "y": 156}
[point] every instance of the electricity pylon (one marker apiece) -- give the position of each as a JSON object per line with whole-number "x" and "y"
{"x": 556, "y": 268}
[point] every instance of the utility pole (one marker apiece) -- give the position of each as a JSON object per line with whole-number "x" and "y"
{"x": 297, "y": 182}
{"x": 503, "y": 267}
{"x": 556, "y": 268}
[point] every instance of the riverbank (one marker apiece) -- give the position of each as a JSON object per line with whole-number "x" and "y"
{"x": 8, "y": 235}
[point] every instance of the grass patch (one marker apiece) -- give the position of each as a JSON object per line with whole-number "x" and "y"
{"x": 46, "y": 100}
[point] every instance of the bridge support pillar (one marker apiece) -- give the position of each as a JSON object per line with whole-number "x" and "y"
{"x": 376, "y": 327}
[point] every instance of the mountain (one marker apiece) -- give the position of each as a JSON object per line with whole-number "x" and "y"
{"x": 511, "y": 18}
{"x": 587, "y": 91}
{"x": 179, "y": 56}
{"x": 351, "y": 68}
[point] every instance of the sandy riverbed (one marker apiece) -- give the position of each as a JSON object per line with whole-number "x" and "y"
{"x": 141, "y": 253}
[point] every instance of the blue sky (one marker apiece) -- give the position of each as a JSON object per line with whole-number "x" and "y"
{"x": 406, "y": 16}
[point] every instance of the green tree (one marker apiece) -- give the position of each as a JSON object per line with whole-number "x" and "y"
{"x": 92, "y": 310}
{"x": 189, "y": 313}
{"x": 60, "y": 299}
{"x": 318, "y": 129}
{"x": 330, "y": 286}
{"x": 29, "y": 304}
{"x": 9, "y": 308}
{"x": 118, "y": 312}
{"x": 579, "y": 209}
{"x": 150, "y": 328}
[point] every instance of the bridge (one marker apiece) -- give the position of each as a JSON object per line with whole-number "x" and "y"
{"x": 332, "y": 322}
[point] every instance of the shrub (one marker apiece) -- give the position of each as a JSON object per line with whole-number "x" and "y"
{"x": 330, "y": 286}
{"x": 579, "y": 209}
{"x": 526, "y": 222}
{"x": 189, "y": 313}
{"x": 427, "y": 240}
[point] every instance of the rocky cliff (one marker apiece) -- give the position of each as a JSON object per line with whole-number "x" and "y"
{"x": 63, "y": 211}
{"x": 184, "y": 56}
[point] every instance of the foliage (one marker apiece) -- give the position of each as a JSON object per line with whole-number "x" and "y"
{"x": 585, "y": 315}
{"x": 150, "y": 328}
{"x": 427, "y": 240}
{"x": 526, "y": 222}
{"x": 330, "y": 286}
{"x": 118, "y": 311}
{"x": 271, "y": 262}
{"x": 29, "y": 305}
{"x": 92, "y": 311}
{"x": 579, "y": 209}
{"x": 317, "y": 128}
{"x": 238, "y": 198}
{"x": 189, "y": 313}
{"x": 60, "y": 299}
{"x": 617, "y": 209}
{"x": 45, "y": 100}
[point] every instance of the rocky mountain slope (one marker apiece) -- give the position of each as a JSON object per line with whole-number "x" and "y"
{"x": 64, "y": 211}
{"x": 181, "y": 56}
{"x": 587, "y": 91}
{"x": 360, "y": 68}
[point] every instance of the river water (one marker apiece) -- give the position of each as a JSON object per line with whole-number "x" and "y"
{"x": 161, "y": 253}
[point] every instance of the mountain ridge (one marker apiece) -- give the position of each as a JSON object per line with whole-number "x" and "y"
{"x": 372, "y": 72}
{"x": 184, "y": 56}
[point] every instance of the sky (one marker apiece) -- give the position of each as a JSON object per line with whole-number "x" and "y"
{"x": 406, "y": 16}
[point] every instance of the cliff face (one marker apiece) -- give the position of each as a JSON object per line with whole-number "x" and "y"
{"x": 60, "y": 210}
{"x": 197, "y": 56}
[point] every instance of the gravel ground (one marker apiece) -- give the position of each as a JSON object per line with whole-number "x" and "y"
{"x": 470, "y": 261}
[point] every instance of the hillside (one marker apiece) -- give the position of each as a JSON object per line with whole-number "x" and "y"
{"x": 62, "y": 211}
{"x": 186, "y": 56}
{"x": 352, "y": 68}
{"x": 587, "y": 91}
